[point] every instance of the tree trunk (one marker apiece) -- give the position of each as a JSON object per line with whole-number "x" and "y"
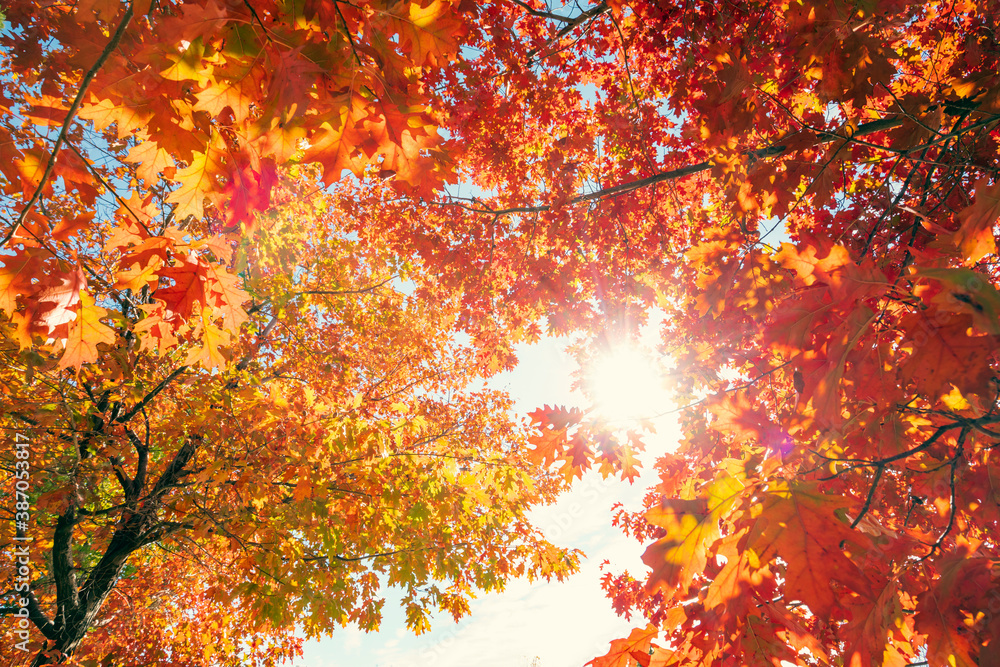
{"x": 77, "y": 608}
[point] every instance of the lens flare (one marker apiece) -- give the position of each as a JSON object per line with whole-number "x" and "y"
{"x": 626, "y": 385}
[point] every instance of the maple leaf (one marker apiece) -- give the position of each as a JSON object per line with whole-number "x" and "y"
{"x": 975, "y": 233}
{"x": 86, "y": 332}
{"x": 944, "y": 351}
{"x": 692, "y": 527}
{"x": 624, "y": 652}
{"x": 797, "y": 524}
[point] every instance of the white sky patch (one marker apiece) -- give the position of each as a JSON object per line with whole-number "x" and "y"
{"x": 352, "y": 638}
{"x": 562, "y": 624}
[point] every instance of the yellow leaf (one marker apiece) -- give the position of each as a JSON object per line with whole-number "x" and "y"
{"x": 187, "y": 66}
{"x": 212, "y": 337}
{"x": 85, "y": 333}
{"x": 219, "y": 95}
{"x": 954, "y": 400}
{"x": 137, "y": 276}
{"x": 197, "y": 180}
{"x": 227, "y": 297}
{"x": 691, "y": 526}
{"x": 152, "y": 160}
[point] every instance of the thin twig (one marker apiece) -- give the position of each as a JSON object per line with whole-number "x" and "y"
{"x": 871, "y": 495}
{"x": 150, "y": 396}
{"x": 545, "y": 15}
{"x": 88, "y": 77}
{"x": 774, "y": 150}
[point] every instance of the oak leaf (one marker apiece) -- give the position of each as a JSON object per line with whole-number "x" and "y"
{"x": 16, "y": 278}
{"x": 197, "y": 180}
{"x": 187, "y": 293}
{"x": 86, "y": 332}
{"x": 208, "y": 355}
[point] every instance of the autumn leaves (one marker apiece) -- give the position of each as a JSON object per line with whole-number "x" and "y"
{"x": 238, "y": 94}
{"x": 191, "y": 257}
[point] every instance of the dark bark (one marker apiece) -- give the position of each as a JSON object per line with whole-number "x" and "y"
{"x": 77, "y": 607}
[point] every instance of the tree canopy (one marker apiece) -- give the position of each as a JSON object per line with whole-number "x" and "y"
{"x": 247, "y": 312}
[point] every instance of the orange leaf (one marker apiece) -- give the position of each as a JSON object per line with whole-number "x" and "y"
{"x": 798, "y": 525}
{"x": 975, "y": 234}
{"x": 226, "y": 296}
{"x": 151, "y": 158}
{"x": 624, "y": 652}
{"x": 945, "y": 350}
{"x": 15, "y": 278}
{"x": 691, "y": 527}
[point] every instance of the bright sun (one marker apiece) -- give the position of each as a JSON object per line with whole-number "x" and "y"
{"x": 626, "y": 385}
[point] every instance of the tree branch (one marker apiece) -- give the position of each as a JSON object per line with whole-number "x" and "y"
{"x": 139, "y": 481}
{"x": 871, "y": 495}
{"x": 150, "y": 396}
{"x": 545, "y": 15}
{"x": 774, "y": 150}
{"x": 173, "y": 472}
{"x": 952, "y": 500}
{"x": 67, "y": 593}
{"x": 70, "y": 115}
{"x": 35, "y": 613}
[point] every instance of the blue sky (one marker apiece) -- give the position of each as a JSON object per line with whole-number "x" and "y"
{"x": 561, "y": 624}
